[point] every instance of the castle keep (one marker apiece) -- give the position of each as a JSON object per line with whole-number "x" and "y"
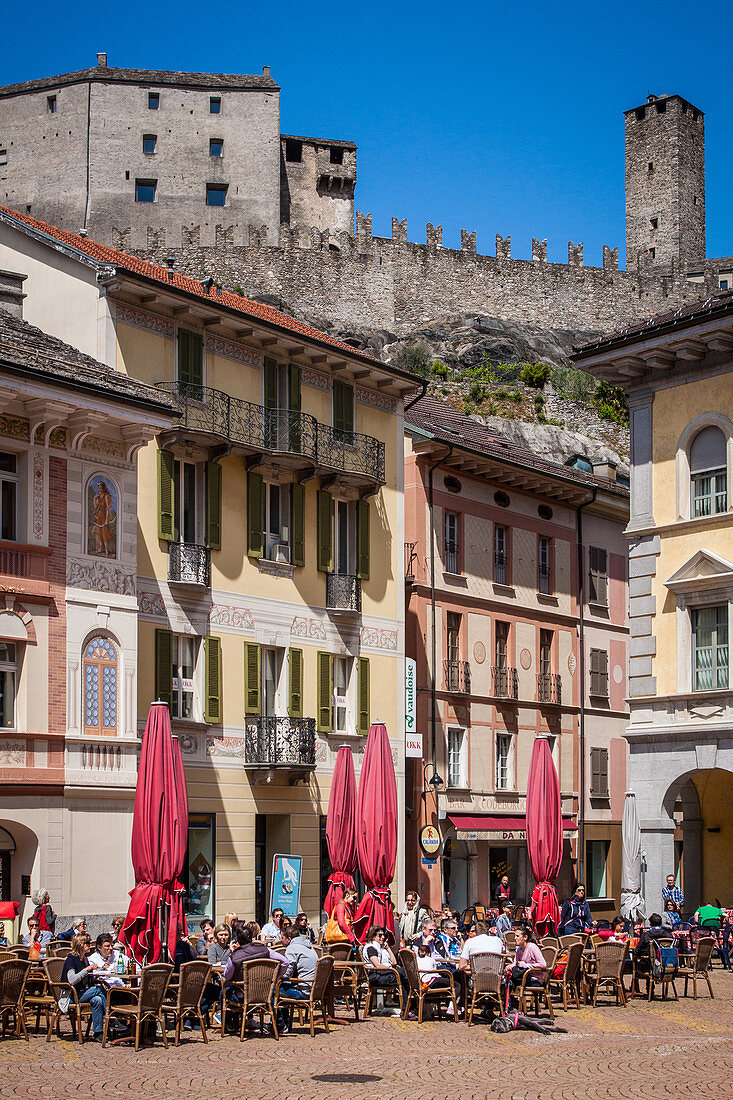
{"x": 191, "y": 170}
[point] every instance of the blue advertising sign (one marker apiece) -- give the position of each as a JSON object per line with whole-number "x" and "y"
{"x": 285, "y": 888}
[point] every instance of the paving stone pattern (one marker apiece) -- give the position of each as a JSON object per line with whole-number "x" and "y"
{"x": 652, "y": 1050}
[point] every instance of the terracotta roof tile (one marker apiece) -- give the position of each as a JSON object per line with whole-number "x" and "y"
{"x": 175, "y": 280}
{"x": 687, "y": 313}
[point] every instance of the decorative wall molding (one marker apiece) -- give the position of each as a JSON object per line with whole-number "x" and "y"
{"x": 314, "y": 378}
{"x": 39, "y": 471}
{"x": 375, "y": 400}
{"x": 16, "y": 427}
{"x": 377, "y": 638}
{"x": 230, "y": 615}
{"x": 141, "y": 318}
{"x": 308, "y": 628}
{"x": 151, "y": 603}
{"x": 12, "y": 752}
{"x": 275, "y": 568}
{"x": 228, "y": 349}
{"x": 223, "y": 746}
{"x": 99, "y": 576}
{"x": 112, "y": 447}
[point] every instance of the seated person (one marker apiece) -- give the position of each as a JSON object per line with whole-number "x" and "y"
{"x": 435, "y": 944}
{"x": 78, "y": 971}
{"x": 303, "y": 927}
{"x": 36, "y": 939}
{"x": 504, "y": 920}
{"x": 185, "y": 952}
{"x": 671, "y": 915}
{"x": 3, "y": 937}
{"x": 219, "y": 948}
{"x": 709, "y": 916}
{"x": 451, "y": 938}
{"x": 428, "y": 968}
{"x": 302, "y": 961}
{"x": 575, "y": 915}
{"x": 206, "y": 938}
{"x": 271, "y": 931}
{"x": 116, "y": 931}
{"x": 482, "y": 942}
{"x": 78, "y": 928}
{"x": 527, "y": 957}
{"x": 109, "y": 965}
{"x": 657, "y": 932}
{"x": 379, "y": 961}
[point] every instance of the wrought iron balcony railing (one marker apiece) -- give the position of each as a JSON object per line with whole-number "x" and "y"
{"x": 499, "y": 568}
{"x": 189, "y": 563}
{"x": 410, "y": 561}
{"x": 457, "y": 676}
{"x": 549, "y": 688}
{"x": 505, "y": 683}
{"x": 279, "y": 431}
{"x": 343, "y": 592}
{"x": 280, "y": 742}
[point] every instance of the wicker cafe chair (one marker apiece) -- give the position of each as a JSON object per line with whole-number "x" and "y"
{"x": 58, "y": 950}
{"x": 550, "y": 941}
{"x": 142, "y": 1004}
{"x": 5, "y": 955}
{"x": 540, "y": 987}
{"x": 346, "y": 979}
{"x": 699, "y": 966}
{"x": 510, "y": 941}
{"x": 193, "y": 977}
{"x": 416, "y": 991}
{"x": 13, "y": 976}
{"x": 568, "y": 983}
{"x": 486, "y": 974}
{"x": 254, "y": 993}
{"x": 37, "y": 996}
{"x": 571, "y": 938}
{"x": 76, "y": 1012}
{"x": 610, "y": 959}
{"x": 317, "y": 994}
{"x": 20, "y": 950}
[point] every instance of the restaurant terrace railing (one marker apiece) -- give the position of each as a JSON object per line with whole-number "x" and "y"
{"x": 278, "y": 431}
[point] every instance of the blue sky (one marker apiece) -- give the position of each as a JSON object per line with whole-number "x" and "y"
{"x": 479, "y": 116}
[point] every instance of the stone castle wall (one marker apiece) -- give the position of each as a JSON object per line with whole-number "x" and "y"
{"x": 379, "y": 282}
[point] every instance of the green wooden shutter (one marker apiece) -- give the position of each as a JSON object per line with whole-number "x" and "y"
{"x": 164, "y": 666}
{"x": 295, "y": 434}
{"x": 295, "y": 662}
{"x": 166, "y": 462}
{"x": 297, "y": 523}
{"x": 251, "y": 678}
{"x": 362, "y": 539}
{"x": 325, "y": 692}
{"x": 213, "y": 505}
{"x": 212, "y": 654}
{"x": 270, "y": 369}
{"x": 343, "y": 406}
{"x": 190, "y": 358}
{"x": 255, "y": 542}
{"x": 325, "y": 531}
{"x": 362, "y": 688}
{"x": 184, "y": 370}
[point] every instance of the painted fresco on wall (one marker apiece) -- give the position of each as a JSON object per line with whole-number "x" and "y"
{"x": 102, "y": 508}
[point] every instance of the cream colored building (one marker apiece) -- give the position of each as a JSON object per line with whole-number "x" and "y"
{"x": 270, "y": 541}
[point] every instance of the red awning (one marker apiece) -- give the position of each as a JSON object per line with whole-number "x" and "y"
{"x": 495, "y": 823}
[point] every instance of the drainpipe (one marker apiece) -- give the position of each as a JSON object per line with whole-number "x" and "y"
{"x": 581, "y": 670}
{"x": 423, "y": 391}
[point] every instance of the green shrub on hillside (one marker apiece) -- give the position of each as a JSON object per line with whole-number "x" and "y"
{"x": 610, "y": 403}
{"x": 572, "y": 384}
{"x": 535, "y": 374}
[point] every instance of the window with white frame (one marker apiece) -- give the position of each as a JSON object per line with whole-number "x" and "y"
{"x": 341, "y": 679}
{"x": 500, "y": 555}
{"x": 504, "y": 771}
{"x": 597, "y": 575}
{"x": 8, "y": 683}
{"x": 8, "y": 496}
{"x": 708, "y": 472}
{"x": 276, "y": 521}
{"x": 710, "y": 648}
{"x": 183, "y": 650}
{"x": 544, "y": 555}
{"x": 451, "y": 542}
{"x": 457, "y": 758}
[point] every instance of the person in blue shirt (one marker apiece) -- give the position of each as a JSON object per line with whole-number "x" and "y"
{"x": 504, "y": 920}
{"x": 575, "y": 915}
{"x": 672, "y": 892}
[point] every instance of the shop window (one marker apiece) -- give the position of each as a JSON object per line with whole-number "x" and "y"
{"x": 595, "y": 864}
{"x": 100, "y": 687}
{"x": 199, "y": 876}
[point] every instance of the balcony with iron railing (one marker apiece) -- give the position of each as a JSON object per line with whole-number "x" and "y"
{"x": 295, "y": 438}
{"x": 343, "y": 593}
{"x": 504, "y": 683}
{"x": 189, "y": 563}
{"x": 277, "y": 742}
{"x": 549, "y": 688}
{"x": 457, "y": 677}
{"x": 500, "y": 568}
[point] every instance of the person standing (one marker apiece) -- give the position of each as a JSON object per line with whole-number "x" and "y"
{"x": 672, "y": 892}
{"x": 412, "y": 919}
{"x": 503, "y": 891}
{"x": 575, "y": 915}
{"x": 43, "y": 911}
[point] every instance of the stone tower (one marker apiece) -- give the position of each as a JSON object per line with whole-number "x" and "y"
{"x": 665, "y": 185}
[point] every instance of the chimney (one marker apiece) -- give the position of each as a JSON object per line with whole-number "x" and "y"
{"x": 605, "y": 467}
{"x": 11, "y": 293}
{"x": 266, "y": 70}
{"x": 101, "y": 60}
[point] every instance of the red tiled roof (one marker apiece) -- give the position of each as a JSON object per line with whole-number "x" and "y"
{"x": 175, "y": 280}
{"x": 688, "y": 313}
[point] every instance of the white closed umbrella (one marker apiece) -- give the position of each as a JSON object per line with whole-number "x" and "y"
{"x": 632, "y": 902}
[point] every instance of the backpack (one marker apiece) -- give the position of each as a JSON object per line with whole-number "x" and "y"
{"x": 665, "y": 963}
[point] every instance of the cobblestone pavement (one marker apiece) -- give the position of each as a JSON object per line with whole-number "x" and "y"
{"x": 661, "y": 1049}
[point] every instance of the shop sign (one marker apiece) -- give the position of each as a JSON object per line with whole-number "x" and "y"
{"x": 413, "y": 745}
{"x": 491, "y": 834}
{"x": 285, "y": 884}
{"x": 430, "y": 840}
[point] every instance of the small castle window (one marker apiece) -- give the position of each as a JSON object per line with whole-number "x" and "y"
{"x": 654, "y": 222}
{"x": 214, "y": 105}
{"x": 694, "y": 200}
{"x": 640, "y": 113}
{"x": 293, "y": 151}
{"x": 723, "y": 284}
{"x": 153, "y": 101}
{"x": 51, "y": 102}
{"x": 661, "y": 107}
{"x": 216, "y": 147}
{"x": 216, "y": 194}
{"x": 336, "y": 155}
{"x": 145, "y": 190}
{"x": 3, "y": 156}
{"x": 149, "y": 143}
{"x": 653, "y": 253}
{"x": 651, "y": 166}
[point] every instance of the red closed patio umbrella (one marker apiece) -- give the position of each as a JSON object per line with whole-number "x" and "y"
{"x": 544, "y": 834}
{"x": 159, "y": 837}
{"x": 341, "y": 829}
{"x": 376, "y": 833}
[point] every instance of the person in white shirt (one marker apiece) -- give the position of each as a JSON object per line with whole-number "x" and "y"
{"x": 428, "y": 967}
{"x": 271, "y": 931}
{"x": 380, "y": 962}
{"x": 482, "y": 942}
{"x": 106, "y": 962}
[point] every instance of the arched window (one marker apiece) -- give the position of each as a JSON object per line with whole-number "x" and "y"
{"x": 708, "y": 475}
{"x": 100, "y": 687}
